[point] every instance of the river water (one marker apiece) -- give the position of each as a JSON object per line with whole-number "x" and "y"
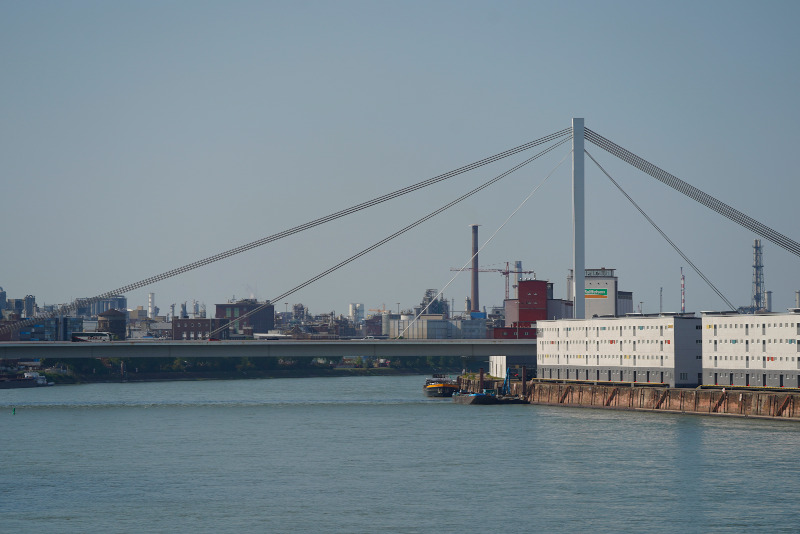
{"x": 372, "y": 454}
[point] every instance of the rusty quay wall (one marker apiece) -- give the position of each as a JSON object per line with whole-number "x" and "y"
{"x": 733, "y": 402}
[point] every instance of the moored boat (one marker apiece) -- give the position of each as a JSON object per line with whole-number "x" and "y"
{"x": 28, "y": 380}
{"x": 489, "y": 396}
{"x": 440, "y": 386}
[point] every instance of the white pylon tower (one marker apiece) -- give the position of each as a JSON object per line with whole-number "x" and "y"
{"x": 578, "y": 234}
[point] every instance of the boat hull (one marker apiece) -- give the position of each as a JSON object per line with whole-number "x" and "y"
{"x": 475, "y": 399}
{"x": 440, "y": 390}
{"x": 480, "y": 398}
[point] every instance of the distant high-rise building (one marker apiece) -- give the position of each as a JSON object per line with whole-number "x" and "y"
{"x": 16, "y": 306}
{"x": 30, "y": 306}
{"x": 117, "y": 302}
{"x": 356, "y": 313}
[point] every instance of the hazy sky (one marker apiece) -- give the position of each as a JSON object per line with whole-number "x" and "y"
{"x": 136, "y": 137}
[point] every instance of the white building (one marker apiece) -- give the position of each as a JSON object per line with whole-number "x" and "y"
{"x": 498, "y": 365}
{"x": 356, "y": 313}
{"x": 660, "y": 348}
{"x": 752, "y": 350}
{"x": 602, "y": 296}
{"x": 436, "y": 327}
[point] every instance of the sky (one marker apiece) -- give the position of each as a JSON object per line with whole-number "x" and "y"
{"x": 138, "y": 137}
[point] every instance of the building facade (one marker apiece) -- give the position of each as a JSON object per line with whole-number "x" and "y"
{"x": 603, "y": 298}
{"x": 51, "y": 329}
{"x": 198, "y": 328}
{"x": 356, "y": 313}
{"x": 522, "y": 313}
{"x": 116, "y": 302}
{"x": 760, "y": 350}
{"x": 437, "y": 327}
{"x": 113, "y": 321}
{"x": 260, "y": 322}
{"x": 661, "y": 348}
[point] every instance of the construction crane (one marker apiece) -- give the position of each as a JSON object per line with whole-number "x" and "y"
{"x": 505, "y": 272}
{"x": 381, "y": 310}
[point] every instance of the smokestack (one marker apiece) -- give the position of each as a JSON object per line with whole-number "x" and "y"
{"x": 769, "y": 301}
{"x": 518, "y": 268}
{"x": 474, "y": 299}
{"x": 151, "y": 303}
{"x": 797, "y": 299}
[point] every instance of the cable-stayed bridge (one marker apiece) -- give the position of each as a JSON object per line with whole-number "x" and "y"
{"x": 577, "y": 133}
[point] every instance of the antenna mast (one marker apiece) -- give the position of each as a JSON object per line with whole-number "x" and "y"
{"x": 758, "y": 277}
{"x": 683, "y": 292}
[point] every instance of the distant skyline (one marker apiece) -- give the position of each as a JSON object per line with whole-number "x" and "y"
{"x": 139, "y": 137}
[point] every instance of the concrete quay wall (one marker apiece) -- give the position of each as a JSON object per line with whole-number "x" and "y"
{"x": 732, "y": 402}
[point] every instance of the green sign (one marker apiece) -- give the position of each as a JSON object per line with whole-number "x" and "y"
{"x": 596, "y": 293}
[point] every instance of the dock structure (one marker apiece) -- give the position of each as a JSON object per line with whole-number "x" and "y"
{"x": 734, "y": 402}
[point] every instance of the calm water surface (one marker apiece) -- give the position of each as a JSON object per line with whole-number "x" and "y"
{"x": 372, "y": 454}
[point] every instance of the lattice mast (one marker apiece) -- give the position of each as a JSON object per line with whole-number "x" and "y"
{"x": 683, "y": 292}
{"x": 759, "y": 301}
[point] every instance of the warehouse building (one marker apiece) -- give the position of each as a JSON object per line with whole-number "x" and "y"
{"x": 751, "y": 350}
{"x": 660, "y": 348}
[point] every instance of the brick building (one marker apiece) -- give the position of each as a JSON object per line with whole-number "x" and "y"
{"x": 523, "y": 312}
{"x": 113, "y": 321}
{"x": 198, "y": 328}
{"x": 260, "y": 322}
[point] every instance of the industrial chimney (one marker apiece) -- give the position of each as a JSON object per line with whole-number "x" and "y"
{"x": 474, "y": 299}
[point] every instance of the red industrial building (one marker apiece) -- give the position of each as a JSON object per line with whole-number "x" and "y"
{"x": 523, "y": 312}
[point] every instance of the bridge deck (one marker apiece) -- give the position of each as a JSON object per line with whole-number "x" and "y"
{"x": 474, "y": 348}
